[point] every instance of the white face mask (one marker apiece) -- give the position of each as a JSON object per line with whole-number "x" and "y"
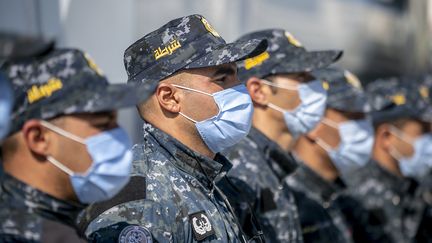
{"x": 355, "y": 147}
{"x": 419, "y": 164}
{"x": 233, "y": 121}
{"x": 307, "y": 115}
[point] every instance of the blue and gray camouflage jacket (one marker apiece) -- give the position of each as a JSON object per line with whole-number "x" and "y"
{"x": 394, "y": 201}
{"x": 171, "y": 197}
{"x": 29, "y": 215}
{"x": 255, "y": 182}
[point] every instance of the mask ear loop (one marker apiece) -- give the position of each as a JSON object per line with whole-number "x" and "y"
{"x": 321, "y": 142}
{"x": 62, "y": 132}
{"x": 399, "y": 134}
{"x": 282, "y": 86}
{"x": 66, "y": 134}
{"x": 193, "y": 90}
{"x": 60, "y": 165}
{"x": 330, "y": 123}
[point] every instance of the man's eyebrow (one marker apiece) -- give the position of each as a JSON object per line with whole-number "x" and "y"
{"x": 224, "y": 71}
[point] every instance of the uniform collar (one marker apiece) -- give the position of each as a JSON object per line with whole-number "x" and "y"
{"x": 396, "y": 183}
{"x": 204, "y": 169}
{"x": 315, "y": 185}
{"x": 24, "y": 197}
{"x": 281, "y": 162}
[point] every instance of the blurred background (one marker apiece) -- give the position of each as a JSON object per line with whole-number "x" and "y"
{"x": 380, "y": 38}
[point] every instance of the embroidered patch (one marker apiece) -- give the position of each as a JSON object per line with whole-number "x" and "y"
{"x": 201, "y": 225}
{"x": 352, "y": 79}
{"x": 255, "y": 61}
{"x": 292, "y": 40}
{"x": 92, "y": 64}
{"x": 209, "y": 28}
{"x": 135, "y": 234}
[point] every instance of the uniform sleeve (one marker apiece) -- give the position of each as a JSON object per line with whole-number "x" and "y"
{"x": 142, "y": 219}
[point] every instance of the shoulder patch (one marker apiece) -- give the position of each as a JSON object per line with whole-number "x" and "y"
{"x": 201, "y": 225}
{"x": 135, "y": 234}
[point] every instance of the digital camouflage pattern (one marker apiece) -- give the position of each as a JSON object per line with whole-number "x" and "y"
{"x": 344, "y": 90}
{"x": 16, "y": 46}
{"x": 394, "y": 202}
{"x": 321, "y": 218}
{"x": 183, "y": 43}
{"x": 254, "y": 182}
{"x": 29, "y": 215}
{"x": 65, "y": 81}
{"x": 179, "y": 184}
{"x": 395, "y": 98}
{"x": 284, "y": 54}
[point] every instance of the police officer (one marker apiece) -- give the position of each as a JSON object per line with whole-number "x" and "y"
{"x": 12, "y": 47}
{"x": 287, "y": 102}
{"x": 340, "y": 144}
{"x": 401, "y": 131}
{"x": 64, "y": 149}
{"x": 198, "y": 108}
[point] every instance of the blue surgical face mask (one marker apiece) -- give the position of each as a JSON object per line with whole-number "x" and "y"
{"x": 419, "y": 164}
{"x": 233, "y": 121}
{"x": 307, "y": 115}
{"x": 355, "y": 147}
{"x": 111, "y": 164}
{"x": 5, "y": 107}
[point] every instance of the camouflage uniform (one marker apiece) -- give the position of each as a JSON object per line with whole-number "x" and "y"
{"x": 29, "y": 215}
{"x": 259, "y": 166}
{"x": 179, "y": 201}
{"x": 323, "y": 222}
{"x": 172, "y": 196}
{"x": 63, "y": 81}
{"x": 394, "y": 202}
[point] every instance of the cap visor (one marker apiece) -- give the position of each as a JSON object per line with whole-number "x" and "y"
{"x": 103, "y": 98}
{"x": 230, "y": 53}
{"x": 118, "y": 96}
{"x": 307, "y": 61}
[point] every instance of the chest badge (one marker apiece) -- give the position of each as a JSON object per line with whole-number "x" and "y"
{"x": 201, "y": 225}
{"x": 135, "y": 234}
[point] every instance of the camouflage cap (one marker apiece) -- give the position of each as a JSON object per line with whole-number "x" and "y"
{"x": 183, "y": 43}
{"x": 423, "y": 85}
{"x": 285, "y": 54}
{"x": 395, "y": 98}
{"x": 15, "y": 46}
{"x": 65, "y": 81}
{"x": 344, "y": 90}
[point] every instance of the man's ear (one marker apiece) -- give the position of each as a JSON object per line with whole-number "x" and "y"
{"x": 383, "y": 136}
{"x": 36, "y": 137}
{"x": 258, "y": 91}
{"x": 169, "y": 97}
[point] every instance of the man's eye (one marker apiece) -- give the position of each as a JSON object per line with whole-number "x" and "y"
{"x": 221, "y": 79}
{"x": 102, "y": 126}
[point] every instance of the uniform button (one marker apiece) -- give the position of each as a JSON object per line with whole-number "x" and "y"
{"x": 395, "y": 200}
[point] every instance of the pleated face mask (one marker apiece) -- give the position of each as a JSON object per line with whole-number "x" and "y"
{"x": 233, "y": 121}
{"x": 355, "y": 147}
{"x": 111, "y": 164}
{"x": 307, "y": 115}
